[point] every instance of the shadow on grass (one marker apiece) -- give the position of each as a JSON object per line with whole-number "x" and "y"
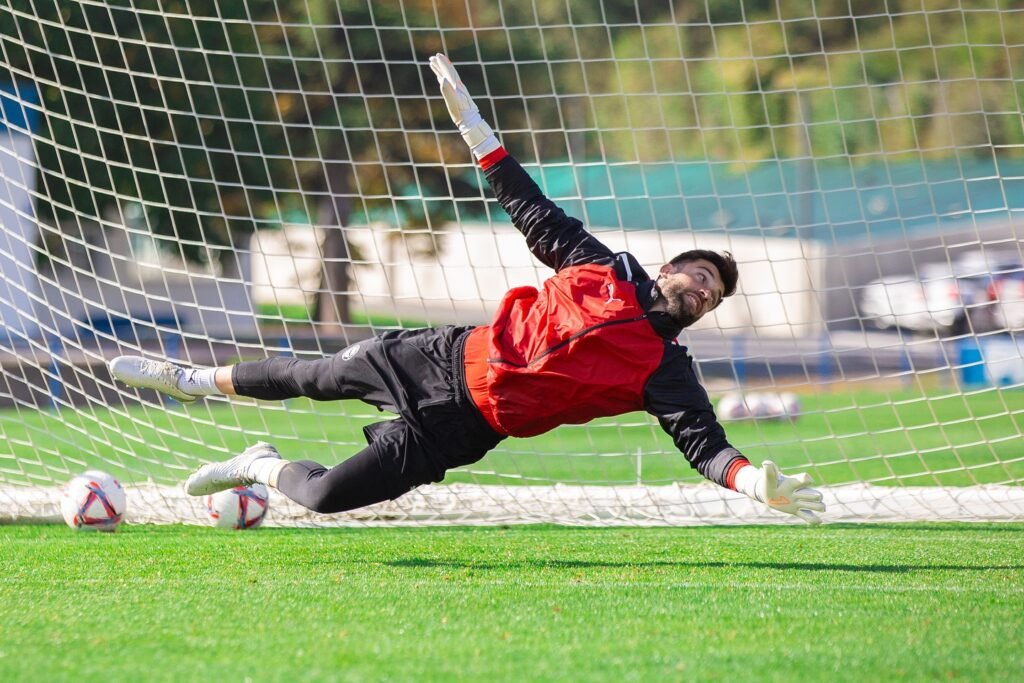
{"x": 958, "y": 527}
{"x": 785, "y": 566}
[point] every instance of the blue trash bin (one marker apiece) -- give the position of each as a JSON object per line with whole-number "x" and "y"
{"x": 972, "y": 363}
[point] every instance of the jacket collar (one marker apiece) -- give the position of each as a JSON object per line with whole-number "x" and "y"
{"x": 647, "y": 294}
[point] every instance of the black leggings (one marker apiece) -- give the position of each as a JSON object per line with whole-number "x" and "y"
{"x": 390, "y": 466}
{"x": 414, "y": 373}
{"x": 357, "y": 482}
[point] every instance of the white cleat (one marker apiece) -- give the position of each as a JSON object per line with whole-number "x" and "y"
{"x": 136, "y": 371}
{"x": 218, "y": 476}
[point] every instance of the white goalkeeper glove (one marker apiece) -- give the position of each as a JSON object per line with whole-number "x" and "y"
{"x": 792, "y": 495}
{"x": 464, "y": 112}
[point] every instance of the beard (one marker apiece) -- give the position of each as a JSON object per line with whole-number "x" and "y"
{"x": 675, "y": 302}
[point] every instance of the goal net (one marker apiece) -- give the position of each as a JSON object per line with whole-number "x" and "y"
{"x": 215, "y": 182}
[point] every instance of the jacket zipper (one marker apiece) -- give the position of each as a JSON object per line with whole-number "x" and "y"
{"x": 548, "y": 351}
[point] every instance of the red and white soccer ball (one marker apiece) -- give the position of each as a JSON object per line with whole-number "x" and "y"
{"x": 93, "y": 500}
{"x": 243, "y": 507}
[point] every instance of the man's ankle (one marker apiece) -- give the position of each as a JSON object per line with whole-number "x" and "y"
{"x": 199, "y": 381}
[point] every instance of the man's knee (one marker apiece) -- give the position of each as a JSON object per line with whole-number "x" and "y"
{"x": 324, "y": 502}
{"x": 302, "y": 482}
{"x": 351, "y": 496}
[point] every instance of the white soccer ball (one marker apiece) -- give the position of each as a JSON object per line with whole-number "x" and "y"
{"x": 243, "y": 507}
{"x": 93, "y": 500}
{"x": 732, "y": 407}
{"x": 758, "y": 404}
{"x": 790, "y": 403}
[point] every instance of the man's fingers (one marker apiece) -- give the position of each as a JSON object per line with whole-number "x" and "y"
{"x": 442, "y": 66}
{"x": 449, "y": 82}
{"x": 771, "y": 479}
{"x": 807, "y": 495}
{"x": 435, "y": 66}
{"x": 815, "y": 505}
{"x": 438, "y": 67}
{"x": 803, "y": 479}
{"x": 808, "y": 517}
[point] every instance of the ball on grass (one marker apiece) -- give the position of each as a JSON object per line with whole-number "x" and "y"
{"x": 243, "y": 507}
{"x": 732, "y": 407}
{"x": 790, "y": 403}
{"x": 93, "y": 500}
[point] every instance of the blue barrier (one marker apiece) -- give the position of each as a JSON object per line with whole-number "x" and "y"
{"x": 739, "y": 359}
{"x": 971, "y": 362}
{"x": 53, "y": 382}
{"x": 996, "y": 360}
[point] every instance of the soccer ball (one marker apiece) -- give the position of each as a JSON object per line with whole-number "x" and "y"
{"x": 732, "y": 407}
{"x": 773, "y": 406}
{"x": 93, "y": 500}
{"x": 790, "y": 403}
{"x": 759, "y": 404}
{"x": 242, "y": 507}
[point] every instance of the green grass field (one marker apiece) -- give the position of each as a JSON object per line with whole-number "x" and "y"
{"x": 901, "y": 437}
{"x": 835, "y": 603}
{"x": 897, "y": 602}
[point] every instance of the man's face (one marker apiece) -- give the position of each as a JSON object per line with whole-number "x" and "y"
{"x": 690, "y": 289}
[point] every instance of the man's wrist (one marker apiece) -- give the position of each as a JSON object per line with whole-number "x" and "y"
{"x": 492, "y": 158}
{"x": 736, "y": 463}
{"x": 480, "y": 138}
{"x": 746, "y": 480}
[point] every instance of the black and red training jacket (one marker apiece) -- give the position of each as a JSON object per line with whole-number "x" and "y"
{"x": 586, "y": 344}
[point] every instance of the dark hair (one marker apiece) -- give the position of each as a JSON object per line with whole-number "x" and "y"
{"x": 724, "y": 262}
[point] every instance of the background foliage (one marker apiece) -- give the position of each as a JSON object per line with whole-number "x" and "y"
{"x": 219, "y": 117}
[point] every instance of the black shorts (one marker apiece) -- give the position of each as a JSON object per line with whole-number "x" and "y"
{"x": 417, "y": 374}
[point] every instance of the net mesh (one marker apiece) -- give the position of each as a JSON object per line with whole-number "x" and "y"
{"x": 221, "y": 183}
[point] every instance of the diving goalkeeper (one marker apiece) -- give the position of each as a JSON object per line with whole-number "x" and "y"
{"x": 598, "y": 339}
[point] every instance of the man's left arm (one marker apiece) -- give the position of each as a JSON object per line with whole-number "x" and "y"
{"x": 683, "y": 409}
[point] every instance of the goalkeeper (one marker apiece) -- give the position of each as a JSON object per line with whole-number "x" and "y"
{"x": 598, "y": 339}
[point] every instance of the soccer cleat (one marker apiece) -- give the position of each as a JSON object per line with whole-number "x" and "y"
{"x": 136, "y": 371}
{"x": 238, "y": 471}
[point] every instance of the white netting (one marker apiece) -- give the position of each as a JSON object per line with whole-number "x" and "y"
{"x": 258, "y": 178}
{"x": 469, "y": 504}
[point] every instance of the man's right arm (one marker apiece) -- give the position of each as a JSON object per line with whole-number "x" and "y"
{"x": 556, "y": 239}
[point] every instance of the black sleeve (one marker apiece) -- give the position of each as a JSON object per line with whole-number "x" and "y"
{"x": 558, "y": 240}
{"x": 681, "y": 404}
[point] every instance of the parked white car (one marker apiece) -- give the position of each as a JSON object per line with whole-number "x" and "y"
{"x": 936, "y": 299}
{"x": 1007, "y": 296}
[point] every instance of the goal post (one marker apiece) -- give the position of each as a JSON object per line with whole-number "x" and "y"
{"x": 241, "y": 180}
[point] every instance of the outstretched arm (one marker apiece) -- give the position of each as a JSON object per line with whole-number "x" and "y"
{"x": 554, "y": 238}
{"x": 677, "y": 399}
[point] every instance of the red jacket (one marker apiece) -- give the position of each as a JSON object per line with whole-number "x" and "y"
{"x": 580, "y": 348}
{"x": 586, "y": 345}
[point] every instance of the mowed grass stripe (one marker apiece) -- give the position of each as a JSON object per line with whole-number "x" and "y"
{"x": 844, "y": 602}
{"x": 903, "y": 438}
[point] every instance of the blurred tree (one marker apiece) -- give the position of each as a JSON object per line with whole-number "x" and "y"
{"x": 217, "y": 118}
